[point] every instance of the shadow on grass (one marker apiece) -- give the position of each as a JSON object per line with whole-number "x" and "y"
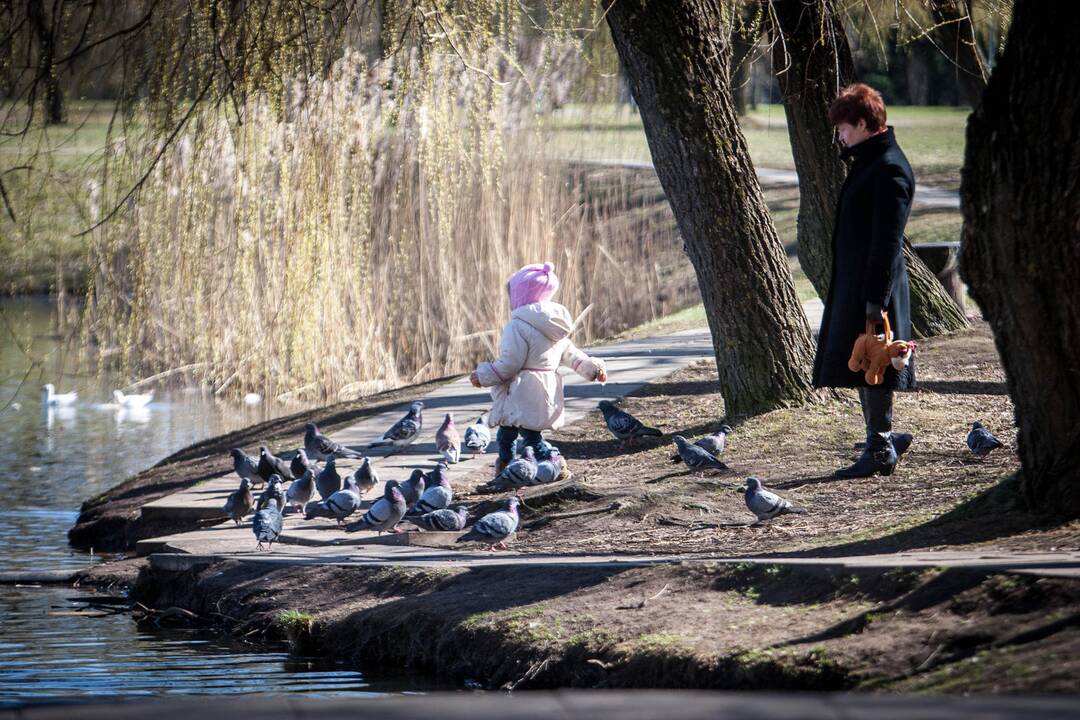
{"x": 963, "y": 387}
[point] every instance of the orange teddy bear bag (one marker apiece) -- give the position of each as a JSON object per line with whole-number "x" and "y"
{"x": 873, "y": 352}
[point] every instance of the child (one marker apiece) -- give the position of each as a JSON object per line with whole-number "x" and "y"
{"x": 526, "y": 389}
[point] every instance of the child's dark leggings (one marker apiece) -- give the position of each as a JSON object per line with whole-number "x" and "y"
{"x": 507, "y": 436}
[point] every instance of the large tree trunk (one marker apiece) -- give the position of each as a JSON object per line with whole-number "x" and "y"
{"x": 812, "y": 60}
{"x": 47, "y": 71}
{"x": 677, "y": 56}
{"x": 1021, "y": 248}
{"x": 954, "y": 34}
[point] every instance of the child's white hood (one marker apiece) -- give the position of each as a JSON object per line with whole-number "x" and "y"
{"x": 551, "y": 319}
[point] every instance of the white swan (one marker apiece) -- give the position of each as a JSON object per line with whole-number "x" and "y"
{"x": 50, "y": 398}
{"x": 132, "y": 401}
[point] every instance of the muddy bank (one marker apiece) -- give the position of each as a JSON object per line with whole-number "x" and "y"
{"x": 677, "y": 626}
{"x": 111, "y": 522}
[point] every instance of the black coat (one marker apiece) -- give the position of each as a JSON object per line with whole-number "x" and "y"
{"x": 868, "y": 261}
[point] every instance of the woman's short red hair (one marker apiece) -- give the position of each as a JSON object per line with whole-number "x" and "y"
{"x": 858, "y": 102}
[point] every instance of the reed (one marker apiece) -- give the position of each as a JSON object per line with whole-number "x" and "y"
{"x": 359, "y": 235}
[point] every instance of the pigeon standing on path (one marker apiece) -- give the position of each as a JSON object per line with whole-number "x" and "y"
{"x": 447, "y": 440}
{"x": 246, "y": 466}
{"x": 274, "y": 491}
{"x": 414, "y": 487}
{"x": 496, "y": 527}
{"x": 478, "y": 436}
{"x": 550, "y": 470}
{"x": 982, "y": 441}
{"x": 301, "y": 490}
{"x": 328, "y": 482}
{"x": 405, "y": 431}
{"x": 766, "y": 504}
{"x": 623, "y": 425}
{"x": 267, "y": 525}
{"x": 365, "y": 476}
{"x": 320, "y": 447}
{"x": 696, "y": 458}
{"x": 384, "y": 514}
{"x": 301, "y": 463}
{"x": 445, "y": 520}
{"x": 338, "y": 506}
{"x": 270, "y": 464}
{"x": 239, "y": 502}
{"x": 437, "y": 495}
{"x": 519, "y": 473}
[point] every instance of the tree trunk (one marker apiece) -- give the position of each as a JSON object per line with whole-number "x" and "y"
{"x": 677, "y": 57}
{"x": 1021, "y": 244}
{"x": 812, "y": 60}
{"x": 955, "y": 36}
{"x": 47, "y": 71}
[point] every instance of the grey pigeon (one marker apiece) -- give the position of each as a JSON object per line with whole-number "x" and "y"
{"x": 239, "y": 502}
{"x": 270, "y": 464}
{"x": 328, "y": 482}
{"x": 549, "y": 470}
{"x": 519, "y": 473}
{"x": 414, "y": 487}
{"x": 447, "y": 440}
{"x": 496, "y": 527}
{"x": 478, "y": 436}
{"x": 338, "y": 506}
{"x": 696, "y": 458}
{"x": 320, "y": 447}
{"x": 623, "y": 425}
{"x": 301, "y": 463}
{"x": 445, "y": 520}
{"x": 301, "y": 490}
{"x": 405, "y": 431}
{"x": 384, "y": 514}
{"x": 981, "y": 441}
{"x": 274, "y": 491}
{"x": 246, "y": 466}
{"x": 267, "y": 525}
{"x": 438, "y": 493}
{"x": 365, "y": 476}
{"x": 713, "y": 444}
{"x": 765, "y": 504}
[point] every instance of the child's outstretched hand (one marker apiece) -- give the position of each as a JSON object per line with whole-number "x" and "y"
{"x": 601, "y": 375}
{"x": 474, "y": 379}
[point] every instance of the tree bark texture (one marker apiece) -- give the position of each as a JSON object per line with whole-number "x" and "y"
{"x": 812, "y": 59}
{"x": 677, "y": 57}
{"x": 53, "y": 104}
{"x": 954, "y": 35}
{"x": 1020, "y": 194}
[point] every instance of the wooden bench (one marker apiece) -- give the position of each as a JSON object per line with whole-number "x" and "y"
{"x": 943, "y": 259}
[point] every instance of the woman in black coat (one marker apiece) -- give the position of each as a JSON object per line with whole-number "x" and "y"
{"x": 869, "y": 274}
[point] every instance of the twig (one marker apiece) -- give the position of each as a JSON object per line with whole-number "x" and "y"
{"x": 646, "y": 601}
{"x": 545, "y": 519}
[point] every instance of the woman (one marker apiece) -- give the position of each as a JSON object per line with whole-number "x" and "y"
{"x": 869, "y": 274}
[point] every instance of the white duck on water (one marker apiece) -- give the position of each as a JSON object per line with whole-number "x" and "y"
{"x": 132, "y": 401}
{"x": 50, "y": 398}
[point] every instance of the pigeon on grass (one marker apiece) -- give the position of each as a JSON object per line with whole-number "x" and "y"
{"x": 713, "y": 444}
{"x": 698, "y": 459}
{"x": 494, "y": 528}
{"x": 519, "y": 473}
{"x": 981, "y": 441}
{"x": 766, "y": 504}
{"x": 624, "y": 426}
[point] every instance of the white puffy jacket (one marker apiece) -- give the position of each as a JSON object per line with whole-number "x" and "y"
{"x": 526, "y": 388}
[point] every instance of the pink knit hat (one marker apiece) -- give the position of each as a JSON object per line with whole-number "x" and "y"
{"x": 531, "y": 284}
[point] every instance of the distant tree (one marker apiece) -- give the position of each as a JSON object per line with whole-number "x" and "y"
{"x": 954, "y": 34}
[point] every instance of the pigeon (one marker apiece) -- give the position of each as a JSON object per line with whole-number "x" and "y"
{"x": 713, "y": 444}
{"x": 697, "y": 458}
{"x": 405, "y": 431}
{"x": 301, "y": 490}
{"x": 50, "y": 398}
{"x": 623, "y": 425}
{"x": 767, "y": 505}
{"x": 246, "y": 466}
{"x": 271, "y": 464}
{"x": 267, "y": 525}
{"x": 365, "y": 477}
{"x": 549, "y": 470}
{"x": 328, "y": 482}
{"x": 478, "y": 436}
{"x": 437, "y": 495}
{"x": 339, "y": 506}
{"x": 274, "y": 491}
{"x": 414, "y": 487}
{"x": 301, "y": 463}
{"x": 981, "y": 441}
{"x": 519, "y": 473}
{"x": 384, "y": 514}
{"x": 496, "y": 527}
{"x": 132, "y": 401}
{"x": 445, "y": 520}
{"x": 447, "y": 440}
{"x": 239, "y": 502}
{"x": 320, "y": 447}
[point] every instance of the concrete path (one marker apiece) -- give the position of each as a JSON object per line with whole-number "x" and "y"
{"x": 576, "y": 704}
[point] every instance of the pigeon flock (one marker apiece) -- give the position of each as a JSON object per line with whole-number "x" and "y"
{"x": 425, "y": 500}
